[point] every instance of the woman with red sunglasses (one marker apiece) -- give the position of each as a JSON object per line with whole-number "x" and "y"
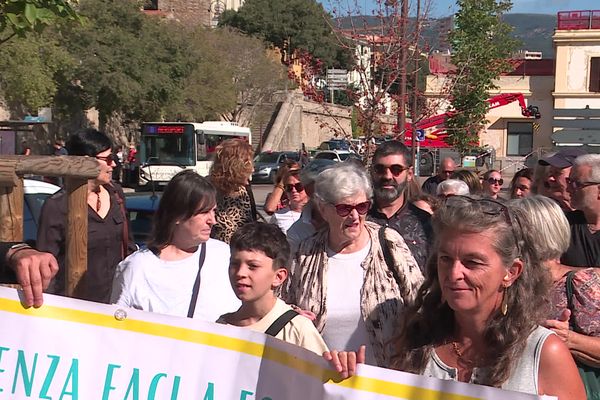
{"x": 355, "y": 276}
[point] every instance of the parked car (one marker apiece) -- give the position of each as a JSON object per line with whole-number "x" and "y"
{"x": 337, "y": 155}
{"x": 36, "y": 193}
{"x": 140, "y": 210}
{"x": 335, "y": 144}
{"x": 267, "y": 163}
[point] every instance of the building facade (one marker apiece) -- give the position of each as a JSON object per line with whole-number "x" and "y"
{"x": 577, "y": 84}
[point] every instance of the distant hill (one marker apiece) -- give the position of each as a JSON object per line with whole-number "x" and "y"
{"x": 534, "y": 30}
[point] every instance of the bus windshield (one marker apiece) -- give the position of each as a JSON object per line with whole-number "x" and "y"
{"x": 172, "y": 148}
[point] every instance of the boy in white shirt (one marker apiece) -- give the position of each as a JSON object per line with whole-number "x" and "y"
{"x": 258, "y": 266}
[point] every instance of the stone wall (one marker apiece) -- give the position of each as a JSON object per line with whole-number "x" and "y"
{"x": 190, "y": 13}
{"x": 301, "y": 121}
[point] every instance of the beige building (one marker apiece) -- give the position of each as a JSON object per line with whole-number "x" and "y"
{"x": 577, "y": 87}
{"x": 566, "y": 90}
{"x": 508, "y": 132}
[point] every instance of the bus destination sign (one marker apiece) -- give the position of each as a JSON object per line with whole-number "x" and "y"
{"x": 164, "y": 129}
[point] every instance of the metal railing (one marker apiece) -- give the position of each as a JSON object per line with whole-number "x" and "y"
{"x": 580, "y": 19}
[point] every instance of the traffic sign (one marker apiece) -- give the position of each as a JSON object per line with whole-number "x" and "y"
{"x": 420, "y": 135}
{"x": 337, "y": 78}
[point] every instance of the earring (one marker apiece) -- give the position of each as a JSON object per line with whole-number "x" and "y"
{"x": 504, "y": 305}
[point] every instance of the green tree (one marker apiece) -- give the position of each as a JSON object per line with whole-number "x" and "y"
{"x": 18, "y": 17}
{"x": 481, "y": 47}
{"x": 128, "y": 63}
{"x": 291, "y": 24}
{"x": 32, "y": 68}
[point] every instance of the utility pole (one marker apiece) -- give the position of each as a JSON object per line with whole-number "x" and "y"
{"x": 415, "y": 102}
{"x": 403, "y": 61}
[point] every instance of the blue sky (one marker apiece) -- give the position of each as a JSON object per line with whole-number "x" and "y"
{"x": 447, "y": 7}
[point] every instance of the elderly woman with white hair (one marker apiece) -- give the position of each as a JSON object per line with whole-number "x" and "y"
{"x": 576, "y": 291}
{"x": 452, "y": 187}
{"x": 355, "y": 276}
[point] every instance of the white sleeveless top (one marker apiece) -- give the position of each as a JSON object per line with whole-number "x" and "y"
{"x": 524, "y": 377}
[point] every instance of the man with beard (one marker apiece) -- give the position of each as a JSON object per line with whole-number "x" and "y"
{"x": 559, "y": 168}
{"x": 391, "y": 171}
{"x": 584, "y": 188}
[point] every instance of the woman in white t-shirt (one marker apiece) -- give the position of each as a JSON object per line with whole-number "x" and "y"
{"x": 181, "y": 258}
{"x": 341, "y": 274}
{"x": 297, "y": 199}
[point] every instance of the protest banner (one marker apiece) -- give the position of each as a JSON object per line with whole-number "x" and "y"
{"x": 72, "y": 349}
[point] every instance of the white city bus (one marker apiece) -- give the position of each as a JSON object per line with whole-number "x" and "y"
{"x": 169, "y": 147}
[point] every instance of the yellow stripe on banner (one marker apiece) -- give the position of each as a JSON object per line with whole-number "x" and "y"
{"x": 228, "y": 343}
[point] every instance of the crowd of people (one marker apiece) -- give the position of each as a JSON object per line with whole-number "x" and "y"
{"x": 456, "y": 279}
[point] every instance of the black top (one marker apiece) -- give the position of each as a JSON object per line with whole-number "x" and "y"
{"x": 584, "y": 249}
{"x": 431, "y": 184}
{"x": 7, "y": 275}
{"x": 105, "y": 241}
{"x": 414, "y": 225}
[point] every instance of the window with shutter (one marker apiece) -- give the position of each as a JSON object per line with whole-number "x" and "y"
{"x": 595, "y": 74}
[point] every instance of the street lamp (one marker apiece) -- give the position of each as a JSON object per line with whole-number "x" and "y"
{"x": 216, "y": 9}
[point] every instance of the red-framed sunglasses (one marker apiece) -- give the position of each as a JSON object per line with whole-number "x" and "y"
{"x": 343, "y": 210}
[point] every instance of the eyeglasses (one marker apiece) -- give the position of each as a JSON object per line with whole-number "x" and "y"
{"x": 109, "y": 159}
{"x": 493, "y": 181}
{"x": 575, "y": 185}
{"x": 486, "y": 206}
{"x": 298, "y": 186}
{"x": 343, "y": 210}
{"x": 395, "y": 169}
{"x": 447, "y": 172}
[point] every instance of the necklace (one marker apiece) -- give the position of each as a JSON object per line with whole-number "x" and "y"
{"x": 98, "y": 201}
{"x": 461, "y": 356}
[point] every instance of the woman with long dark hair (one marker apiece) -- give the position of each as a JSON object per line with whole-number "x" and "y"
{"x": 183, "y": 271}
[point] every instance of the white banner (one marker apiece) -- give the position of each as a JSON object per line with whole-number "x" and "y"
{"x": 72, "y": 349}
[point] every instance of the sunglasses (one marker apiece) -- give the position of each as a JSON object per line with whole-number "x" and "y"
{"x": 486, "y": 206}
{"x": 109, "y": 159}
{"x": 343, "y": 210}
{"x": 493, "y": 181}
{"x": 575, "y": 185}
{"x": 298, "y": 186}
{"x": 395, "y": 169}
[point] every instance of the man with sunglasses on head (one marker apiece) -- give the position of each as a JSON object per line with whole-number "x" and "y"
{"x": 555, "y": 182}
{"x": 583, "y": 185}
{"x": 447, "y": 167}
{"x": 391, "y": 171}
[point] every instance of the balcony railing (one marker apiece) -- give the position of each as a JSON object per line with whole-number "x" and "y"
{"x": 581, "y": 19}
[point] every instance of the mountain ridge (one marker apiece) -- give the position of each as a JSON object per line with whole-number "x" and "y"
{"x": 533, "y": 30}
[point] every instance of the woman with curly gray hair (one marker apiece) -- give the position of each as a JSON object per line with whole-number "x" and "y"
{"x": 355, "y": 276}
{"x": 477, "y": 317}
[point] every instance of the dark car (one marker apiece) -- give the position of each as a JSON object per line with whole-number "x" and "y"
{"x": 267, "y": 163}
{"x": 140, "y": 209}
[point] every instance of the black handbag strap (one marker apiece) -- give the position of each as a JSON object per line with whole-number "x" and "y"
{"x": 388, "y": 257}
{"x": 252, "y": 203}
{"x": 280, "y": 322}
{"x": 192, "y": 307}
{"x": 569, "y": 285}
